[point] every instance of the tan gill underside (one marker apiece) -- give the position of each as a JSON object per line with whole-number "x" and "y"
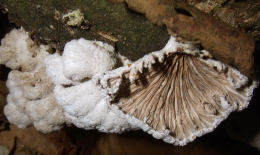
{"x": 181, "y": 95}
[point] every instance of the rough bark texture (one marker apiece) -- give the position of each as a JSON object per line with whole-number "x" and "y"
{"x": 134, "y": 37}
{"x": 243, "y": 15}
{"x": 228, "y": 44}
{"x": 131, "y": 33}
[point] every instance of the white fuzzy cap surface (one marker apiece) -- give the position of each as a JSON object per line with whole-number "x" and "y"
{"x": 86, "y": 107}
{"x": 83, "y": 58}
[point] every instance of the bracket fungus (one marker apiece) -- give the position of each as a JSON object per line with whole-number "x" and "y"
{"x": 180, "y": 92}
{"x": 175, "y": 94}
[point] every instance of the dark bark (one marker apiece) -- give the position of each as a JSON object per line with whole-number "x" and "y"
{"x": 131, "y": 34}
{"x": 225, "y": 43}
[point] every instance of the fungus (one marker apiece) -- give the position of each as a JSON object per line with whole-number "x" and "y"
{"x": 86, "y": 107}
{"x": 17, "y": 51}
{"x": 179, "y": 92}
{"x": 175, "y": 94}
{"x": 30, "y": 99}
{"x": 79, "y": 60}
{"x": 83, "y": 58}
{"x": 83, "y": 103}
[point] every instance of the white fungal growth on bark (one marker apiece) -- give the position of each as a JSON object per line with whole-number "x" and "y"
{"x": 83, "y": 103}
{"x": 30, "y": 99}
{"x": 175, "y": 94}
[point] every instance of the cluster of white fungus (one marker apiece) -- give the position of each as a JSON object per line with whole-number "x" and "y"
{"x": 175, "y": 94}
{"x": 83, "y": 103}
{"x": 30, "y": 99}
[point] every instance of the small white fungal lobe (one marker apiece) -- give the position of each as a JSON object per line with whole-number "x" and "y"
{"x": 83, "y": 58}
{"x": 17, "y": 51}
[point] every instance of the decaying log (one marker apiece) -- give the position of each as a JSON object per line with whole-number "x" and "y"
{"x": 241, "y": 14}
{"x": 133, "y": 37}
{"x": 48, "y": 22}
{"x": 227, "y": 44}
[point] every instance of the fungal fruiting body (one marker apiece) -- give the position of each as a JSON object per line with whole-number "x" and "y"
{"x": 83, "y": 103}
{"x": 175, "y": 94}
{"x": 179, "y": 93}
{"x": 30, "y": 99}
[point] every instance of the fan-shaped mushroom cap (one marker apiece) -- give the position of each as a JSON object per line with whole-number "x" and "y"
{"x": 178, "y": 93}
{"x": 80, "y": 58}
